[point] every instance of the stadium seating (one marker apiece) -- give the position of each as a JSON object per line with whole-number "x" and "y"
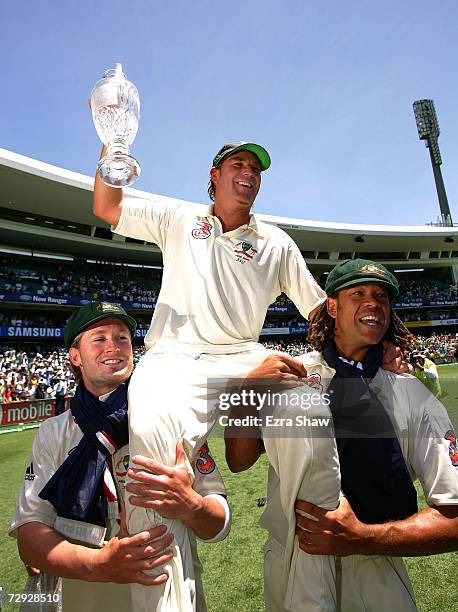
{"x": 22, "y": 373}
{"x": 27, "y": 368}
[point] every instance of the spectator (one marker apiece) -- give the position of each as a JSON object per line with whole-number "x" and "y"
{"x": 426, "y": 371}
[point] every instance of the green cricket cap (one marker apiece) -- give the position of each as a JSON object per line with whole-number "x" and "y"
{"x": 351, "y": 272}
{"x": 93, "y": 312}
{"x": 232, "y": 147}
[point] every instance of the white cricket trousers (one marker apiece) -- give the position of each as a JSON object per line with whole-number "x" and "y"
{"x": 303, "y": 453}
{"x": 359, "y": 583}
{"x": 173, "y": 397}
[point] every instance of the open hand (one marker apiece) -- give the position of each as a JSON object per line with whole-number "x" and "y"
{"x": 330, "y": 532}
{"x": 167, "y": 490}
{"x": 124, "y": 560}
{"x": 277, "y": 368}
{"x": 394, "y": 360}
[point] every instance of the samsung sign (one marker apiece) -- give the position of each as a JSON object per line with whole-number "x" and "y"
{"x": 43, "y": 332}
{"x": 31, "y": 332}
{"x": 58, "y": 332}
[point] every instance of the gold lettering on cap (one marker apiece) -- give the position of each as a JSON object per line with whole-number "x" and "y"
{"x": 372, "y": 269}
{"x": 107, "y": 307}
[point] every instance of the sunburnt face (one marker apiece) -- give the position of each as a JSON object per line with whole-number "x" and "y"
{"x": 104, "y": 355}
{"x": 362, "y": 317}
{"x": 238, "y": 178}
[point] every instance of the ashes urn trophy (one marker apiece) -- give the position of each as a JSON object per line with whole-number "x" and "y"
{"x": 115, "y": 106}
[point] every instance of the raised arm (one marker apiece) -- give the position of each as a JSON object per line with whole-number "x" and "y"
{"x": 121, "y": 560}
{"x": 243, "y": 442}
{"x": 107, "y": 200}
{"x": 297, "y": 281}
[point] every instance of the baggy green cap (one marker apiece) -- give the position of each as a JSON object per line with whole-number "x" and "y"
{"x": 87, "y": 315}
{"x": 232, "y": 147}
{"x": 351, "y": 272}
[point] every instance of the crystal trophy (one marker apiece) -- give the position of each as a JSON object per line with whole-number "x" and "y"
{"x": 115, "y": 106}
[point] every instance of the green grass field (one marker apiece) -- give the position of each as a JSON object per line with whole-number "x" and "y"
{"x": 233, "y": 568}
{"x": 449, "y": 383}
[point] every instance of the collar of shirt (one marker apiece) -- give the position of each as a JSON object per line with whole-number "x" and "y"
{"x": 105, "y": 396}
{"x": 252, "y": 225}
{"x": 383, "y": 378}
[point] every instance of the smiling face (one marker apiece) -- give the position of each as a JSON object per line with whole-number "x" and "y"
{"x": 362, "y": 317}
{"x": 237, "y": 179}
{"x": 103, "y": 355}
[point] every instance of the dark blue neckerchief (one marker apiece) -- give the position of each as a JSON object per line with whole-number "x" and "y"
{"x": 76, "y": 489}
{"x": 375, "y": 478}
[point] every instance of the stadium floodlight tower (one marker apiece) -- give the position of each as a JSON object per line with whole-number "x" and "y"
{"x": 428, "y": 130}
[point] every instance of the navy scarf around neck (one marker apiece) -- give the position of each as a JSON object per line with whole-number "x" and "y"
{"x": 375, "y": 477}
{"x": 76, "y": 489}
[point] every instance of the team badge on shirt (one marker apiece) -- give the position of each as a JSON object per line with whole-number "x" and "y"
{"x": 205, "y": 462}
{"x": 121, "y": 467}
{"x": 244, "y": 251}
{"x": 314, "y": 380}
{"x": 202, "y": 231}
{"x": 453, "y": 448}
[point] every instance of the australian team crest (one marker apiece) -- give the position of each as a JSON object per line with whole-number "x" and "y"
{"x": 453, "y": 448}
{"x": 202, "y": 230}
{"x": 205, "y": 462}
{"x": 314, "y": 380}
{"x": 121, "y": 468}
{"x": 244, "y": 251}
{"x": 372, "y": 269}
{"x": 107, "y": 307}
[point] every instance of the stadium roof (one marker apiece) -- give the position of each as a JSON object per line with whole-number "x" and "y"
{"x": 59, "y": 201}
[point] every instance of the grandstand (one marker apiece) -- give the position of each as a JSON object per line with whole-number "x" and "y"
{"x": 56, "y": 255}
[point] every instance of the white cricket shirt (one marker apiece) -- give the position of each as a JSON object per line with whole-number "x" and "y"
{"x": 54, "y": 440}
{"x": 216, "y": 286}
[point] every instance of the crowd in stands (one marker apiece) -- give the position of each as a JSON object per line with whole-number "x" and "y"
{"x": 80, "y": 279}
{"x": 282, "y": 301}
{"x": 29, "y": 318}
{"x": 33, "y": 375}
{"x": 102, "y": 280}
{"x": 28, "y": 376}
{"x": 46, "y": 372}
{"x": 284, "y": 322}
{"x": 32, "y": 319}
{"x": 428, "y": 315}
{"x": 292, "y": 347}
{"x": 431, "y": 290}
{"x": 441, "y": 348}
{"x": 412, "y": 292}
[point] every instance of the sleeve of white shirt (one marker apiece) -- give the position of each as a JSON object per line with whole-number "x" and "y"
{"x": 146, "y": 218}
{"x": 208, "y": 482}
{"x": 30, "y": 507}
{"x": 431, "y": 452}
{"x": 208, "y": 479}
{"x": 297, "y": 281}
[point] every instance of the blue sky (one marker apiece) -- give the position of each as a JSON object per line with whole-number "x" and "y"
{"x": 326, "y": 87}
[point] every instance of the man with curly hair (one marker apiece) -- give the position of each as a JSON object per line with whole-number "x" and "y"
{"x": 353, "y": 455}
